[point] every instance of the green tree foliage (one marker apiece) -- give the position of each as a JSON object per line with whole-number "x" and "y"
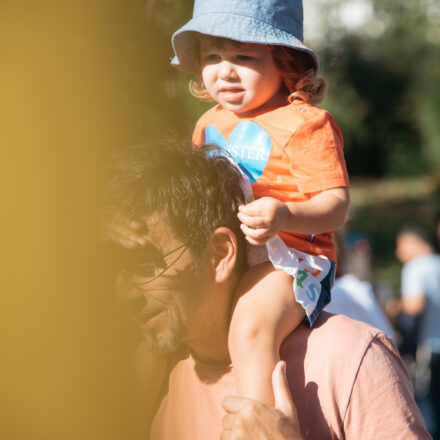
{"x": 383, "y": 87}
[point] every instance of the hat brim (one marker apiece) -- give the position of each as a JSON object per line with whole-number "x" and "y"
{"x": 226, "y": 25}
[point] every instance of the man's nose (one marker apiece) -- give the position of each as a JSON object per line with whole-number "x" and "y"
{"x": 227, "y": 70}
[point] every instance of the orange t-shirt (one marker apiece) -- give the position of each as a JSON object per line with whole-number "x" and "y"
{"x": 288, "y": 153}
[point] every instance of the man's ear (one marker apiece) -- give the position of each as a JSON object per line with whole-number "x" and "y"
{"x": 223, "y": 244}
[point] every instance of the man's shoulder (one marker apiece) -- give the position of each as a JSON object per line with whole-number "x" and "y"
{"x": 323, "y": 364}
{"x": 337, "y": 323}
{"x": 337, "y": 339}
{"x": 332, "y": 327}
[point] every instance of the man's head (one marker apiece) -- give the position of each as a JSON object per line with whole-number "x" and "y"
{"x": 412, "y": 241}
{"x": 195, "y": 250}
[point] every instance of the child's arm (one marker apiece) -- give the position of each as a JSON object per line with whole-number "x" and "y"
{"x": 323, "y": 212}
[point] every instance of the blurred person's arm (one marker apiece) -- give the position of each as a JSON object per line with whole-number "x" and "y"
{"x": 413, "y": 305}
{"x": 412, "y": 308}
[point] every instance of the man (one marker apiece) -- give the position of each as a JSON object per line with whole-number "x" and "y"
{"x": 346, "y": 378}
{"x": 420, "y": 302}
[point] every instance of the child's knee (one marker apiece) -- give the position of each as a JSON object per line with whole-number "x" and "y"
{"x": 247, "y": 333}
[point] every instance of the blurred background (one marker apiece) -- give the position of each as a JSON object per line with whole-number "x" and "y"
{"x": 80, "y": 79}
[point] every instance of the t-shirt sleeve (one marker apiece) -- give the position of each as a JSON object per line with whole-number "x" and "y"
{"x": 198, "y": 136}
{"x": 413, "y": 276}
{"x": 316, "y": 155}
{"x": 381, "y": 405}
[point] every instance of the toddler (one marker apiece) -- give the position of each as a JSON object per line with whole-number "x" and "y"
{"x": 248, "y": 56}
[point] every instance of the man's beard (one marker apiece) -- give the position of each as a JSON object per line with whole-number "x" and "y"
{"x": 172, "y": 340}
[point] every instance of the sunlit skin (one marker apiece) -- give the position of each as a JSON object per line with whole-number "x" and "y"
{"x": 241, "y": 77}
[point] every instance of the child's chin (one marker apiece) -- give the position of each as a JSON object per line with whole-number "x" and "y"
{"x": 235, "y": 107}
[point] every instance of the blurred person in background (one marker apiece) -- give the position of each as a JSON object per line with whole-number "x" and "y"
{"x": 437, "y": 231}
{"x": 354, "y": 293}
{"x": 420, "y": 316}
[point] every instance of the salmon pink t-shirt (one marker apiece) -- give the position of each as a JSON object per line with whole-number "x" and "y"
{"x": 288, "y": 153}
{"x": 346, "y": 378}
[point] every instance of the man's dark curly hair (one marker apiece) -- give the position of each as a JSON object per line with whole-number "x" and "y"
{"x": 194, "y": 193}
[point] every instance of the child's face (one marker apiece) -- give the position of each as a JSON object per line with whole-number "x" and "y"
{"x": 241, "y": 77}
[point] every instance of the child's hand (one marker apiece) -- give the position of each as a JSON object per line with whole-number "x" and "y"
{"x": 122, "y": 230}
{"x": 262, "y": 219}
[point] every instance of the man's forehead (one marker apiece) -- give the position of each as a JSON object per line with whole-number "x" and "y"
{"x": 158, "y": 232}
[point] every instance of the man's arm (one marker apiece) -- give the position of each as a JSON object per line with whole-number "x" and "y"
{"x": 381, "y": 404}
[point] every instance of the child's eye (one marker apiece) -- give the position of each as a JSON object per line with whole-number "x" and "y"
{"x": 211, "y": 57}
{"x": 244, "y": 57}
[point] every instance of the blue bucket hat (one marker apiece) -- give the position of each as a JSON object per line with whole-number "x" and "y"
{"x": 277, "y": 22}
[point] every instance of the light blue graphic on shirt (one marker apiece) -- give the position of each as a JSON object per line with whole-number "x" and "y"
{"x": 249, "y": 145}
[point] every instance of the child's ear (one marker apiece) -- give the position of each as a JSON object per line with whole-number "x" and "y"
{"x": 223, "y": 245}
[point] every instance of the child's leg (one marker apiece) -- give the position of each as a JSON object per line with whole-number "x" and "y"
{"x": 266, "y": 312}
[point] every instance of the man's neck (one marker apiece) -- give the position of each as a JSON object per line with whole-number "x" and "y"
{"x": 213, "y": 360}
{"x": 209, "y": 341}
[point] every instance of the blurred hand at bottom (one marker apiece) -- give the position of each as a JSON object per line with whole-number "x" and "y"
{"x": 248, "y": 419}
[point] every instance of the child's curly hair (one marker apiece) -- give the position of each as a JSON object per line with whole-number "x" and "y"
{"x": 298, "y": 71}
